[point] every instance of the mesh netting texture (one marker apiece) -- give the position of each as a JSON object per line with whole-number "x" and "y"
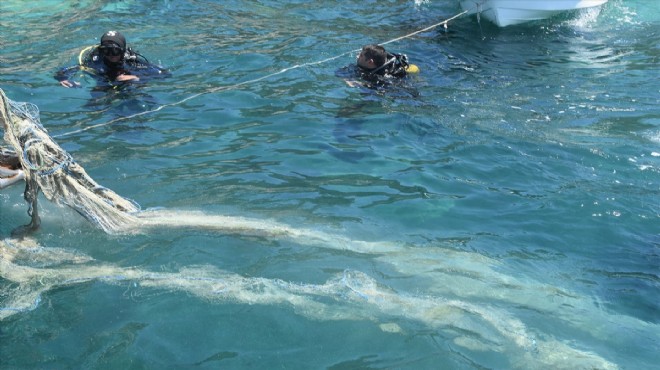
{"x": 58, "y": 176}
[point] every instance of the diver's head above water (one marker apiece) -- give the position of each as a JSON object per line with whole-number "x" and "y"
{"x": 372, "y": 57}
{"x": 112, "y": 47}
{"x": 374, "y": 60}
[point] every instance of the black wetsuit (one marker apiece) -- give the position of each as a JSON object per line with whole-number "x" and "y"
{"x": 395, "y": 67}
{"x": 132, "y": 63}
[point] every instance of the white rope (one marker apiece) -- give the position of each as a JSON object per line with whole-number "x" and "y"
{"x": 427, "y": 28}
{"x": 231, "y": 87}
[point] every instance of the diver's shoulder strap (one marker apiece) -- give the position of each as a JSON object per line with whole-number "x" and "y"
{"x": 85, "y": 54}
{"x": 398, "y": 65}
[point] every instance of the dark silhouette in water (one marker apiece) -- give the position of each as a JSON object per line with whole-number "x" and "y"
{"x": 119, "y": 72}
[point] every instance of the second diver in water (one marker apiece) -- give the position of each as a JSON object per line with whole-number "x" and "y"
{"x": 376, "y": 67}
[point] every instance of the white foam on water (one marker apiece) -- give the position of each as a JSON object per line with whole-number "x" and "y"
{"x": 655, "y": 137}
{"x": 585, "y": 18}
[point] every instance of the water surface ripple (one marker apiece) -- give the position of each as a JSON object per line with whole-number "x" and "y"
{"x": 498, "y": 210}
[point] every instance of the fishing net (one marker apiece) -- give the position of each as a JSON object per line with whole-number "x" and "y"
{"x": 57, "y": 175}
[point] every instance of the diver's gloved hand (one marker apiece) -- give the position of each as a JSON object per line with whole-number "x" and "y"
{"x": 125, "y": 77}
{"x": 69, "y": 84}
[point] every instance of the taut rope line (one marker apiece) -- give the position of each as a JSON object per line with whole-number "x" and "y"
{"x": 248, "y": 82}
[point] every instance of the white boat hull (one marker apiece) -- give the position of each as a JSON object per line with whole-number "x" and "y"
{"x": 509, "y": 12}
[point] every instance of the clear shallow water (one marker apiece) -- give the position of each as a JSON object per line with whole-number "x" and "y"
{"x": 511, "y": 190}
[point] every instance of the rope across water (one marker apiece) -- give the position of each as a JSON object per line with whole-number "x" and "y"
{"x": 249, "y": 82}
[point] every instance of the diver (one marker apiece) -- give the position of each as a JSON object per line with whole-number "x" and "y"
{"x": 113, "y": 61}
{"x": 377, "y": 67}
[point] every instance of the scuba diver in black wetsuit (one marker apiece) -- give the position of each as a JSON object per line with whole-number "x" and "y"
{"x": 377, "y": 72}
{"x": 378, "y": 67}
{"x": 113, "y": 61}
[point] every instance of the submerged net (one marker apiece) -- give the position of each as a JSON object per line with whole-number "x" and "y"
{"x": 58, "y": 176}
{"x": 467, "y": 324}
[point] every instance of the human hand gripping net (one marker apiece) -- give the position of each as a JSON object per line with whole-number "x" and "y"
{"x": 52, "y": 170}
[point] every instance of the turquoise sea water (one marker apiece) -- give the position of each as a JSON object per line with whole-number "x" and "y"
{"x": 498, "y": 210}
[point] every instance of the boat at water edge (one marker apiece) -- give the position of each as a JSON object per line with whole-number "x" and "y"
{"x": 510, "y": 12}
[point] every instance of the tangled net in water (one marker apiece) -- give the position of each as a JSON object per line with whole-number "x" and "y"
{"x": 52, "y": 170}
